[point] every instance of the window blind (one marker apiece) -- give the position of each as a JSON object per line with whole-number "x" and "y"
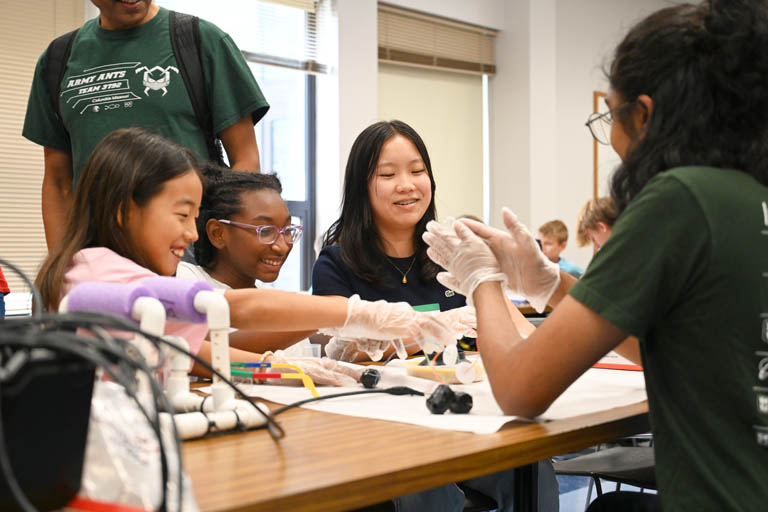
{"x": 26, "y": 29}
{"x": 285, "y": 33}
{"x": 412, "y": 38}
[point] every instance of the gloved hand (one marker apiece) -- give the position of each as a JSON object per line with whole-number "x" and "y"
{"x": 462, "y": 321}
{"x": 467, "y": 258}
{"x": 382, "y": 320}
{"x": 346, "y": 349}
{"x": 529, "y": 272}
{"x": 323, "y": 371}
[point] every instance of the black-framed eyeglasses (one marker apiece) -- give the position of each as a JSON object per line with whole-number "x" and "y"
{"x": 600, "y": 124}
{"x": 268, "y": 234}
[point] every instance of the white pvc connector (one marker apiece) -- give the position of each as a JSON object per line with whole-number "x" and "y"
{"x": 465, "y": 372}
{"x": 450, "y": 355}
{"x": 197, "y": 424}
{"x": 216, "y": 309}
{"x": 150, "y": 313}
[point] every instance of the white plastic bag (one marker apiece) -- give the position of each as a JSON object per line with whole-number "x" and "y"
{"x": 122, "y": 458}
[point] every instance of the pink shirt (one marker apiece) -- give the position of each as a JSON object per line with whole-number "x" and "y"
{"x": 105, "y": 265}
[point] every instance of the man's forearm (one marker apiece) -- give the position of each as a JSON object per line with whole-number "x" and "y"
{"x": 57, "y": 207}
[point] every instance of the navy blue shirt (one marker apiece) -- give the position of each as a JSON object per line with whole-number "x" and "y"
{"x": 331, "y": 276}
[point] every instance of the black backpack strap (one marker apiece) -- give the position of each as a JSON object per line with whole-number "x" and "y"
{"x": 185, "y": 41}
{"x": 56, "y": 58}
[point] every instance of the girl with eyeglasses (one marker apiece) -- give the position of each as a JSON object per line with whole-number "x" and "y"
{"x": 244, "y": 236}
{"x": 244, "y": 230}
{"x": 685, "y": 269}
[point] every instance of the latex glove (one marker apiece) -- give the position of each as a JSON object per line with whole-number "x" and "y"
{"x": 382, "y": 320}
{"x": 322, "y": 371}
{"x": 345, "y": 349}
{"x": 467, "y": 258}
{"x": 462, "y": 321}
{"x": 529, "y": 272}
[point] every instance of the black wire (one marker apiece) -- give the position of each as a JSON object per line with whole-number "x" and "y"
{"x": 72, "y": 346}
{"x": 396, "y": 390}
{"x": 76, "y": 320}
{"x": 106, "y": 355}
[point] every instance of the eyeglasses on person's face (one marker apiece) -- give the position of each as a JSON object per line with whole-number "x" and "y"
{"x": 600, "y": 124}
{"x": 268, "y": 234}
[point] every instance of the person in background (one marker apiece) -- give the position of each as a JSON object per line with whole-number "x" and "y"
{"x": 684, "y": 269}
{"x": 554, "y": 239}
{"x": 4, "y": 290}
{"x": 244, "y": 235}
{"x": 122, "y": 72}
{"x": 596, "y": 220}
{"x": 149, "y": 192}
{"x": 375, "y": 249}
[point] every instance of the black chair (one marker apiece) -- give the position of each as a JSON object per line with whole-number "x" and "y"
{"x": 631, "y": 465}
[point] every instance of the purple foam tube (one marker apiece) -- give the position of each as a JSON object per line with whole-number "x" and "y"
{"x": 113, "y": 298}
{"x": 178, "y": 297}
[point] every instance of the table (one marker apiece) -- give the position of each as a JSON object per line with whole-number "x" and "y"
{"x": 334, "y": 462}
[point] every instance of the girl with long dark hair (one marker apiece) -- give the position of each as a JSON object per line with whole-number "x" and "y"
{"x": 375, "y": 249}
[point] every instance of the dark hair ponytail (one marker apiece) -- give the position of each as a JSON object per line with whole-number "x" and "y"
{"x": 706, "y": 69}
{"x": 222, "y": 198}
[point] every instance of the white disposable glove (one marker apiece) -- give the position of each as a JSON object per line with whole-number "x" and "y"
{"x": 382, "y": 320}
{"x": 462, "y": 321}
{"x": 322, "y": 371}
{"x": 345, "y": 349}
{"x": 467, "y": 258}
{"x": 529, "y": 272}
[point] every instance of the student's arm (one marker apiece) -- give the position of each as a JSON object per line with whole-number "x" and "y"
{"x": 566, "y": 283}
{"x": 263, "y": 309}
{"x": 56, "y": 194}
{"x": 256, "y": 341}
{"x": 239, "y": 142}
{"x": 527, "y": 375}
{"x": 522, "y": 324}
{"x": 630, "y": 349}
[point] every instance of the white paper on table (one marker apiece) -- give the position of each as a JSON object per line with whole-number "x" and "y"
{"x": 596, "y": 390}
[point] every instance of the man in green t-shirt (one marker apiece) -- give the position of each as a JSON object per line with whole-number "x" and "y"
{"x": 122, "y": 72}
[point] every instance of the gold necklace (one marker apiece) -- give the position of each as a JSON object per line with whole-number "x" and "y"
{"x": 405, "y": 279}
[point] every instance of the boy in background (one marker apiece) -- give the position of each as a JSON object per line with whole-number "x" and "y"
{"x": 595, "y": 222}
{"x": 554, "y": 238}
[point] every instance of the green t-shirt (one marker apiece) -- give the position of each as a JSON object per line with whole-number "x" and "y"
{"x": 124, "y": 78}
{"x": 686, "y": 271}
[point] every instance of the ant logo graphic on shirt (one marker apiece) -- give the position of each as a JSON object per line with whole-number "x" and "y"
{"x": 156, "y": 78}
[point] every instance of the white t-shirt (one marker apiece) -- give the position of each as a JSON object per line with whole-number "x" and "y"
{"x": 197, "y": 273}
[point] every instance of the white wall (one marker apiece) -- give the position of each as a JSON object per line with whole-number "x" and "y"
{"x": 549, "y": 55}
{"x": 587, "y": 33}
{"x": 347, "y": 100}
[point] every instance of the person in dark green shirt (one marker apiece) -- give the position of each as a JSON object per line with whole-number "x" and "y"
{"x": 685, "y": 269}
{"x": 122, "y": 72}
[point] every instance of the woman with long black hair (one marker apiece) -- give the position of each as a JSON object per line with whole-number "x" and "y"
{"x": 375, "y": 250}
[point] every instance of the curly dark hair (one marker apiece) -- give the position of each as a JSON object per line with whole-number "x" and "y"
{"x": 706, "y": 69}
{"x": 222, "y": 199}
